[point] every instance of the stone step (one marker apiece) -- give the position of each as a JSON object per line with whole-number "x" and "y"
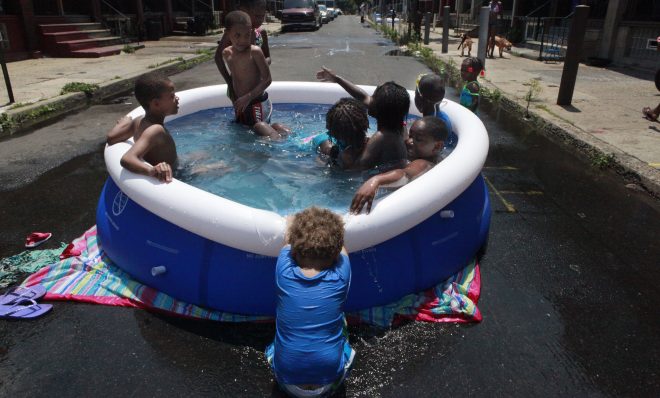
{"x": 67, "y": 27}
{"x": 97, "y": 52}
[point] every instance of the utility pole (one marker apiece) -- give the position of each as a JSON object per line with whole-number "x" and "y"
{"x": 573, "y": 55}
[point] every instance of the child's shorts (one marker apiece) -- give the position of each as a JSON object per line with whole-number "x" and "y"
{"x": 316, "y": 391}
{"x": 259, "y": 110}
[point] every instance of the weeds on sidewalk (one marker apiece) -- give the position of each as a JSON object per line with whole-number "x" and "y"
{"x": 602, "y": 160}
{"x": 75, "y": 87}
{"x": 533, "y": 92}
{"x": 128, "y": 49}
{"x": 169, "y": 61}
{"x": 397, "y": 37}
{"x": 493, "y": 95}
{"x": 7, "y": 123}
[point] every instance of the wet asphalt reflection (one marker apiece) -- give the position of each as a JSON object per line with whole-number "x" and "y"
{"x": 569, "y": 282}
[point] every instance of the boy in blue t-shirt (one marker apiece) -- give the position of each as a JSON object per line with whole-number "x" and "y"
{"x": 310, "y": 356}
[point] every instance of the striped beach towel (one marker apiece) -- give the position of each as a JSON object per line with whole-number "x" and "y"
{"x": 92, "y": 277}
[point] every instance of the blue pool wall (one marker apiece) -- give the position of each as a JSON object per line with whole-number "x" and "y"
{"x": 206, "y": 273}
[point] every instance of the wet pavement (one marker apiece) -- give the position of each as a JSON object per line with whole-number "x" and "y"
{"x": 569, "y": 281}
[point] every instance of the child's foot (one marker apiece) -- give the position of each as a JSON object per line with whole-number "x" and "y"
{"x": 649, "y": 115}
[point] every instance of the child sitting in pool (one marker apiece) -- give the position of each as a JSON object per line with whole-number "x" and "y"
{"x": 389, "y": 105}
{"x": 470, "y": 70}
{"x": 153, "y": 143}
{"x": 310, "y": 355}
{"x": 256, "y": 9}
{"x": 347, "y": 125}
{"x": 429, "y": 93}
{"x": 425, "y": 142}
{"x": 250, "y": 76}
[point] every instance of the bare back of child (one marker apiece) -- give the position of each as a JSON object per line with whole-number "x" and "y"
{"x": 386, "y": 149}
{"x": 389, "y": 105}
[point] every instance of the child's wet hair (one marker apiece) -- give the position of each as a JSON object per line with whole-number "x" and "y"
{"x": 149, "y": 87}
{"x": 431, "y": 83}
{"x": 347, "y": 120}
{"x": 435, "y": 128}
{"x": 475, "y": 63}
{"x": 316, "y": 233}
{"x": 237, "y": 17}
{"x": 390, "y": 104}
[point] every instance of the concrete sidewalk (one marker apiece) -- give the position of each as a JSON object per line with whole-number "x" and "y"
{"x": 37, "y": 83}
{"x": 605, "y": 118}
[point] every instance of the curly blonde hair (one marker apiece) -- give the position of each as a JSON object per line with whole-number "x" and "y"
{"x": 316, "y": 233}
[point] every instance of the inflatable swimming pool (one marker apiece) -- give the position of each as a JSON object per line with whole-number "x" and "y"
{"x": 213, "y": 252}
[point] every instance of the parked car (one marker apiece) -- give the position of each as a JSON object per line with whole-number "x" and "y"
{"x": 324, "y": 13}
{"x": 331, "y": 13}
{"x": 388, "y": 18}
{"x": 301, "y": 14}
{"x": 338, "y": 11}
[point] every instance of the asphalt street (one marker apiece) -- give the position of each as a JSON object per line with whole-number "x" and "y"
{"x": 569, "y": 281}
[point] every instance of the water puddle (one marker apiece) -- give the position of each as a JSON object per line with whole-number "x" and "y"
{"x": 347, "y": 50}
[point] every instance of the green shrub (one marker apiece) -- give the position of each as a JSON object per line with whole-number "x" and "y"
{"x": 75, "y": 87}
{"x": 6, "y": 122}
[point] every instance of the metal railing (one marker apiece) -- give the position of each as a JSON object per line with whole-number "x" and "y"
{"x": 119, "y": 26}
{"x": 553, "y": 37}
{"x": 641, "y": 44}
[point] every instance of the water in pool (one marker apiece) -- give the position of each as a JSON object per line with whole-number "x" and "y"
{"x": 284, "y": 176}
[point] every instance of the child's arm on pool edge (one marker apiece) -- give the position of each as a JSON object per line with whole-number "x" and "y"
{"x": 366, "y": 193}
{"x": 133, "y": 158}
{"x": 121, "y": 131}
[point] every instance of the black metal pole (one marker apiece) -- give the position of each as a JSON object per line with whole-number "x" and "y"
{"x": 573, "y": 55}
{"x": 5, "y": 73}
{"x": 445, "y": 29}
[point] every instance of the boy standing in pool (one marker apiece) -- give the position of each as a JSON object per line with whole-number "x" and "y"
{"x": 250, "y": 76}
{"x": 154, "y": 152}
{"x": 311, "y": 356}
{"x": 256, "y": 9}
{"x": 425, "y": 142}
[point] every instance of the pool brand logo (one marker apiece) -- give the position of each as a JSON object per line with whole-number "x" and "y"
{"x": 258, "y": 114}
{"x": 119, "y": 203}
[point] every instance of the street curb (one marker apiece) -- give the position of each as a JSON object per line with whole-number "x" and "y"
{"x": 25, "y": 118}
{"x": 630, "y": 168}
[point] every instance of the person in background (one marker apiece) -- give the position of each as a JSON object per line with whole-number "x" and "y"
{"x": 470, "y": 70}
{"x": 647, "y": 112}
{"x": 494, "y": 20}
